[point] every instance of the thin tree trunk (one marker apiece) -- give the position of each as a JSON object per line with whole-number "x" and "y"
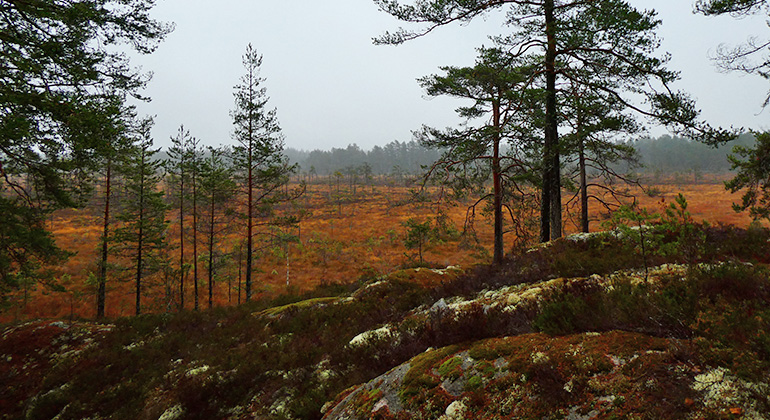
{"x": 102, "y": 292}
{"x": 250, "y": 227}
{"x": 195, "y": 228}
{"x": 182, "y": 270}
{"x": 583, "y": 184}
{"x": 140, "y": 243}
{"x": 498, "y": 188}
{"x": 229, "y": 289}
{"x": 419, "y": 243}
{"x": 287, "y": 264}
{"x": 211, "y": 253}
{"x": 240, "y": 272}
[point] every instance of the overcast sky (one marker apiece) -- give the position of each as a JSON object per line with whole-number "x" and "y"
{"x": 333, "y": 87}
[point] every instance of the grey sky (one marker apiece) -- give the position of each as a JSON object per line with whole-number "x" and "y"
{"x": 333, "y": 87}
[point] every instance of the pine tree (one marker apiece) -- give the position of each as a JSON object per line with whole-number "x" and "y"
{"x": 143, "y": 231}
{"x": 596, "y": 125}
{"x": 473, "y": 153}
{"x": 194, "y": 163}
{"x": 177, "y": 167}
{"x": 116, "y": 142}
{"x": 752, "y": 177}
{"x": 261, "y": 167}
{"x": 217, "y": 192}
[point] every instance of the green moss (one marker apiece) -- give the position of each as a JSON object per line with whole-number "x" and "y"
{"x": 298, "y": 305}
{"x": 364, "y": 402}
{"x": 420, "y": 375}
{"x": 451, "y": 368}
{"x": 474, "y": 383}
{"x": 486, "y": 368}
{"x": 482, "y": 351}
{"x": 493, "y": 349}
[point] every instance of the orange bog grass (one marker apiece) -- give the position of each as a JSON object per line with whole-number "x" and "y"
{"x": 345, "y": 237}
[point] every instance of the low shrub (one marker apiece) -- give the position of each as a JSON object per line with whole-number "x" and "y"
{"x": 728, "y": 242}
{"x": 598, "y": 254}
{"x": 625, "y": 306}
{"x": 566, "y": 314}
{"x": 732, "y": 281}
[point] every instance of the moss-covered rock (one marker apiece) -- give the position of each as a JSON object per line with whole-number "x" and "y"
{"x": 615, "y": 374}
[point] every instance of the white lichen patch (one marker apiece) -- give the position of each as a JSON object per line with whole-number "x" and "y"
{"x": 580, "y": 237}
{"x": 455, "y": 411}
{"x": 574, "y": 414}
{"x": 323, "y": 371}
{"x": 569, "y": 386}
{"x": 370, "y": 286}
{"x": 540, "y": 358}
{"x": 444, "y": 271}
{"x": 71, "y": 353}
{"x": 172, "y": 413}
{"x": 197, "y": 371}
{"x": 134, "y": 346}
{"x": 720, "y": 388}
{"x": 382, "y": 404}
{"x": 459, "y": 305}
{"x": 515, "y": 297}
{"x": 60, "y": 324}
{"x": 325, "y": 375}
{"x": 610, "y": 399}
{"x": 365, "y": 337}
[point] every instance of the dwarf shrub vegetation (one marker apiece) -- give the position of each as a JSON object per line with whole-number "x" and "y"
{"x": 295, "y": 348}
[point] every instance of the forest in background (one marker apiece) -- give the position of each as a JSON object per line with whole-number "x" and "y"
{"x": 663, "y": 155}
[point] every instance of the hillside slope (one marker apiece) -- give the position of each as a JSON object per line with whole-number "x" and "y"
{"x": 576, "y": 329}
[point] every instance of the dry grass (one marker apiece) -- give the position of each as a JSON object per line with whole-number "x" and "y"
{"x": 341, "y": 241}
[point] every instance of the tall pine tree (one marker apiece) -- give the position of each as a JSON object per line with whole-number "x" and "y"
{"x": 261, "y": 167}
{"x": 474, "y": 153}
{"x": 143, "y": 219}
{"x": 178, "y": 168}
{"x": 116, "y": 139}
{"x": 217, "y": 192}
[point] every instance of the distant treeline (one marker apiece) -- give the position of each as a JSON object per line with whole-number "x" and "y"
{"x": 668, "y": 154}
{"x": 665, "y": 154}
{"x": 395, "y": 158}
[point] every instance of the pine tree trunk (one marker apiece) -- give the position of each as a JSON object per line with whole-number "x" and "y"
{"x": 140, "y": 244}
{"x": 102, "y": 291}
{"x": 182, "y": 270}
{"x": 583, "y": 187}
{"x": 195, "y": 232}
{"x": 211, "y": 253}
{"x": 240, "y": 273}
{"x": 250, "y": 226}
{"x": 551, "y": 212}
{"x": 498, "y": 188}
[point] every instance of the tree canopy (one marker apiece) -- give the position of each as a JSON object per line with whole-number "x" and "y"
{"x": 61, "y": 85}
{"x": 751, "y": 57}
{"x": 607, "y": 46}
